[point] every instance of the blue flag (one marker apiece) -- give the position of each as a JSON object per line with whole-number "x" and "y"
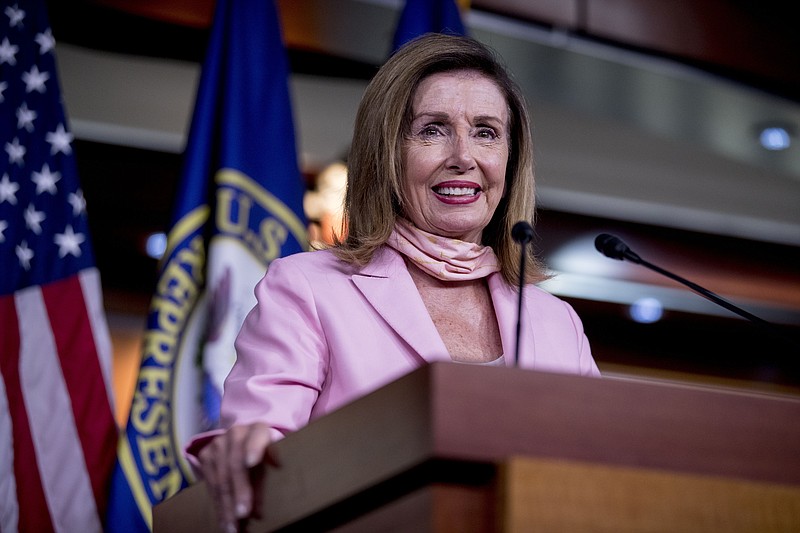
{"x": 425, "y": 16}
{"x": 239, "y": 207}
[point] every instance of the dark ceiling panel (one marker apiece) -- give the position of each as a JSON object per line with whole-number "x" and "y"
{"x": 754, "y": 42}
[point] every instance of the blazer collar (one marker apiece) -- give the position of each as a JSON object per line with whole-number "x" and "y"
{"x": 386, "y": 277}
{"x": 382, "y": 282}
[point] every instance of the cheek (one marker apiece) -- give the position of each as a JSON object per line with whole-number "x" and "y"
{"x": 500, "y": 174}
{"x": 499, "y": 169}
{"x": 419, "y": 165}
{"x": 413, "y": 179}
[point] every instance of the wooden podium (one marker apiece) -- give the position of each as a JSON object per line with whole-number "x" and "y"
{"x": 464, "y": 448}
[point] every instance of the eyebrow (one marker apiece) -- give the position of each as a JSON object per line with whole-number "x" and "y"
{"x": 430, "y": 115}
{"x": 490, "y": 118}
{"x": 434, "y": 115}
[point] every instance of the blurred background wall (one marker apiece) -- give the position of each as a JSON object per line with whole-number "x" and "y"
{"x": 670, "y": 123}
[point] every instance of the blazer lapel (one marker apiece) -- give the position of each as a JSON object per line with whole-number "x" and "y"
{"x": 388, "y": 287}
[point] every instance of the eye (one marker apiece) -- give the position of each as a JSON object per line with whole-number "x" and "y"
{"x": 486, "y": 133}
{"x": 431, "y": 130}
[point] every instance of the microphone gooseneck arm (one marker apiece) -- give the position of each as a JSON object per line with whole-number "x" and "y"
{"x": 613, "y": 247}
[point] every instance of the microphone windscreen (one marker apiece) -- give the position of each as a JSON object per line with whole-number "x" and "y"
{"x": 522, "y": 232}
{"x": 610, "y": 246}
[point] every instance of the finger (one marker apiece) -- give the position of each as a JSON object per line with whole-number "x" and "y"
{"x": 240, "y": 490}
{"x": 216, "y": 469}
{"x": 256, "y": 443}
{"x": 257, "y": 458}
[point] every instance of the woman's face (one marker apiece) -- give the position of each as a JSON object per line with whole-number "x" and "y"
{"x": 455, "y": 154}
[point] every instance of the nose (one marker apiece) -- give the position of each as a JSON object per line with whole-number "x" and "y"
{"x": 460, "y": 158}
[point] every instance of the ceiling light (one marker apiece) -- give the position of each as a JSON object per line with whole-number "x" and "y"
{"x": 775, "y": 138}
{"x": 156, "y": 245}
{"x": 646, "y": 310}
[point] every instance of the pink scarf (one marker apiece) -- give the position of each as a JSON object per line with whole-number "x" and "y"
{"x": 441, "y": 257}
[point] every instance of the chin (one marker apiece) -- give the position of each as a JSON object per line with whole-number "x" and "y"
{"x": 464, "y": 234}
{"x": 462, "y": 228}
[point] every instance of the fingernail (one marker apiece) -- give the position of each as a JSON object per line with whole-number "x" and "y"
{"x": 241, "y": 510}
{"x": 252, "y": 460}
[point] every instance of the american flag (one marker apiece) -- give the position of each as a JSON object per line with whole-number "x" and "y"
{"x": 57, "y": 431}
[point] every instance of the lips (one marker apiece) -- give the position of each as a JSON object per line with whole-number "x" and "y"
{"x": 457, "y": 192}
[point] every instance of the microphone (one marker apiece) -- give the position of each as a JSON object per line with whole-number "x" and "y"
{"x": 522, "y": 233}
{"x": 613, "y": 247}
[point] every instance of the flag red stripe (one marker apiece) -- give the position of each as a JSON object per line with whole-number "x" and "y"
{"x": 30, "y": 493}
{"x": 83, "y": 377}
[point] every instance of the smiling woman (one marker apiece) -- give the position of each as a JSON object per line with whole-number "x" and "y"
{"x": 439, "y": 172}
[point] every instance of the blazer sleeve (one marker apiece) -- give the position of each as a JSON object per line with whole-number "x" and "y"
{"x": 281, "y": 358}
{"x": 281, "y": 355}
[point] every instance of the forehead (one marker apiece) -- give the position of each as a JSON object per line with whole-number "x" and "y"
{"x": 459, "y": 87}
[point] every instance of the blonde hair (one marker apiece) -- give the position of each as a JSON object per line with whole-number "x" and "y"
{"x": 373, "y": 199}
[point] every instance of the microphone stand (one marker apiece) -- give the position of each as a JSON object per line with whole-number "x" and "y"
{"x": 519, "y": 300}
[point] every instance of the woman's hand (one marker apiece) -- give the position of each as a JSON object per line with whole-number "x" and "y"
{"x": 227, "y": 464}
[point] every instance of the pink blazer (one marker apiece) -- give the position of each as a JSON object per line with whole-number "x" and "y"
{"x": 324, "y": 333}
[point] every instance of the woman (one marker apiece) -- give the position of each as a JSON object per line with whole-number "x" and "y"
{"x": 439, "y": 172}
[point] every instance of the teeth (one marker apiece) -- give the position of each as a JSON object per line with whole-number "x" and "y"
{"x": 457, "y": 191}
